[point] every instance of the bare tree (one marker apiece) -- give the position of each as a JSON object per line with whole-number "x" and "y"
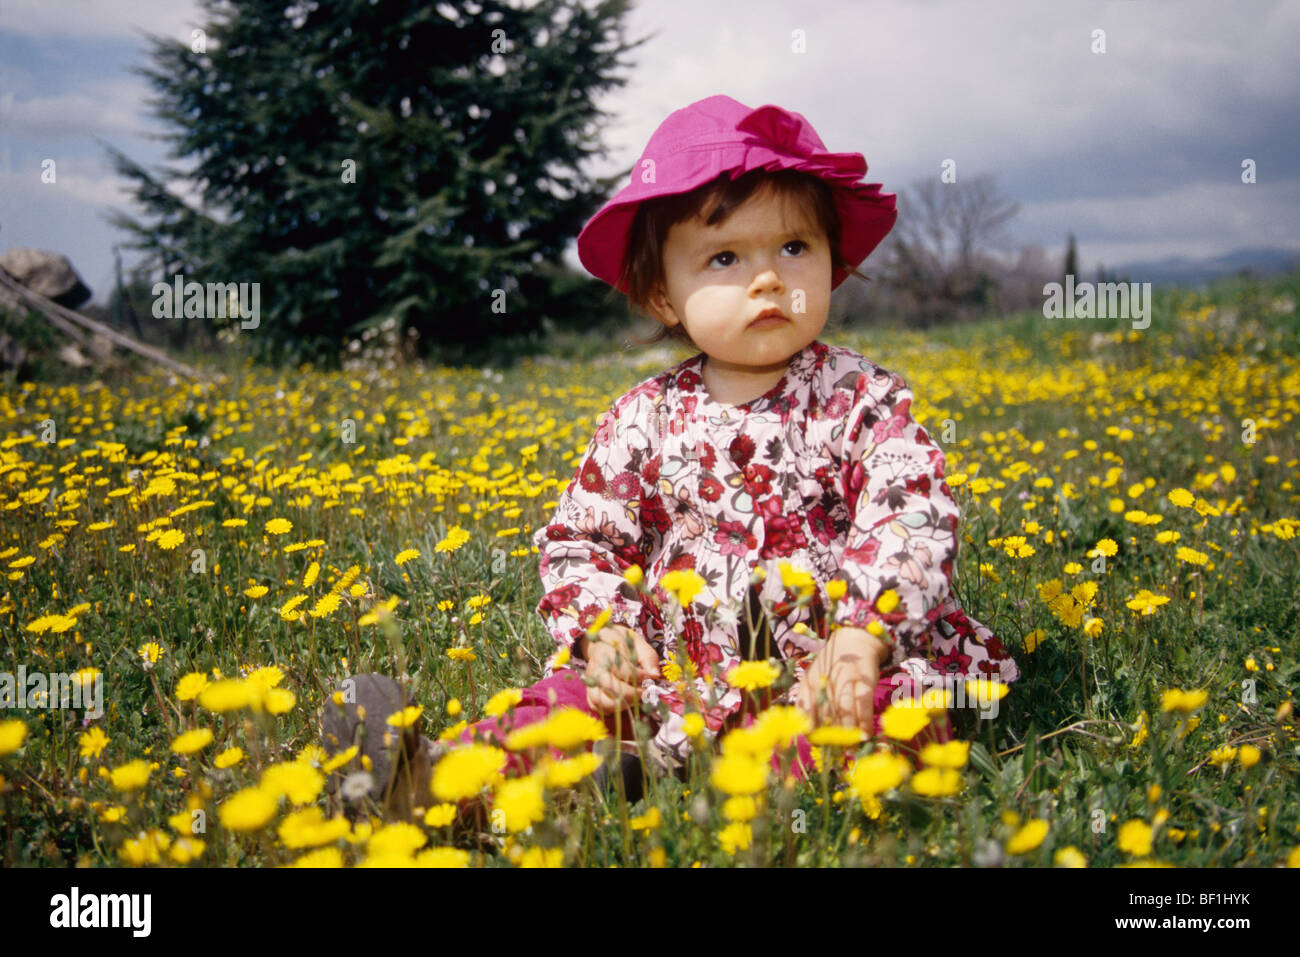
{"x": 940, "y": 253}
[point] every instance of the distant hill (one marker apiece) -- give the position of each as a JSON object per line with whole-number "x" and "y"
{"x": 1182, "y": 271}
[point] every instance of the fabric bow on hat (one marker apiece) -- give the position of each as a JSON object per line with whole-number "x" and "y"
{"x": 784, "y": 132}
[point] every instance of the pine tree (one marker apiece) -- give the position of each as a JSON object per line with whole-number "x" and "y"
{"x": 1071, "y": 258}
{"x": 364, "y": 160}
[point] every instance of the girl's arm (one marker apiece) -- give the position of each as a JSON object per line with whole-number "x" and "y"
{"x": 593, "y": 537}
{"x": 904, "y": 533}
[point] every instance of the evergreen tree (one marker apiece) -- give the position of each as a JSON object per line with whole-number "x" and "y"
{"x": 1071, "y": 259}
{"x": 363, "y": 160}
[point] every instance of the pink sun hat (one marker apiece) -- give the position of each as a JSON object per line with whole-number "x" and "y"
{"x": 718, "y": 134}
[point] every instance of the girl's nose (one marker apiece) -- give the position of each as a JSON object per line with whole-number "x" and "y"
{"x": 767, "y": 281}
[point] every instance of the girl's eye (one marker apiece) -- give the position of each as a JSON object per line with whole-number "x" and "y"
{"x": 802, "y": 247}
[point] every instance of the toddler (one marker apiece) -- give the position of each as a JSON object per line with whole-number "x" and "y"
{"x": 768, "y": 467}
{"x": 771, "y": 497}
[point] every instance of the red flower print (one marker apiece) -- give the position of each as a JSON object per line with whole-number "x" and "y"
{"x": 953, "y": 663}
{"x": 654, "y": 516}
{"x": 734, "y": 539}
{"x": 865, "y": 553}
{"x": 708, "y": 455}
{"x": 892, "y": 427}
{"x": 782, "y": 536}
{"x": 741, "y": 450}
{"x": 711, "y": 489}
{"x": 688, "y": 381}
{"x": 588, "y": 614}
{"x": 758, "y": 480}
{"x": 650, "y": 471}
{"x": 626, "y": 486}
{"x": 837, "y": 405}
{"x": 919, "y": 484}
{"x": 591, "y": 479}
{"x": 821, "y": 525}
{"x": 554, "y": 602}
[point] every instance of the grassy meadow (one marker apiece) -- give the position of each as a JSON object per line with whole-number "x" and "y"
{"x": 222, "y": 555}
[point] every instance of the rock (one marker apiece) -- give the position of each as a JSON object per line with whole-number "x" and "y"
{"x": 48, "y": 274}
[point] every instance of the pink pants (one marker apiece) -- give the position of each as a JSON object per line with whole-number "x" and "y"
{"x": 569, "y": 691}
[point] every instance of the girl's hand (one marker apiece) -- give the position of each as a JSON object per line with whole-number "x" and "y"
{"x": 618, "y": 659}
{"x": 849, "y": 666}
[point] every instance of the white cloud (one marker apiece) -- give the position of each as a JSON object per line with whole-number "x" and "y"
{"x": 95, "y": 18}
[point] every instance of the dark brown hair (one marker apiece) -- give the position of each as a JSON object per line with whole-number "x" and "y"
{"x": 715, "y": 201}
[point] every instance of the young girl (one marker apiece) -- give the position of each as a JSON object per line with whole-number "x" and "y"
{"x": 768, "y": 466}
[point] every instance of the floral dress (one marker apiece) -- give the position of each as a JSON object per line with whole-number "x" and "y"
{"x": 827, "y": 471}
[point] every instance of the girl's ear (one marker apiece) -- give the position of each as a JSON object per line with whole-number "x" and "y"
{"x": 662, "y": 309}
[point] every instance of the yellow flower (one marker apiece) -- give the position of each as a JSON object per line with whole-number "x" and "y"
{"x": 503, "y": 701}
{"x": 256, "y": 591}
{"x": 1223, "y": 756}
{"x": 739, "y": 774}
{"x": 937, "y": 782}
{"x": 309, "y": 828}
{"x": 1105, "y": 547}
{"x": 904, "y": 721}
{"x": 324, "y": 857}
{"x": 228, "y": 758}
{"x": 229, "y": 694}
{"x": 887, "y": 601}
{"x": 276, "y": 701}
{"x": 92, "y": 742}
{"x": 565, "y": 728}
{"x": 780, "y": 725}
{"x": 877, "y": 773}
{"x": 300, "y": 782}
{"x": 454, "y": 539}
{"x": 1248, "y": 756}
{"x": 12, "y": 733}
{"x": 836, "y": 736}
{"x": 150, "y": 652}
{"x": 279, "y": 526}
{"x": 192, "y": 741}
{"x": 1191, "y": 555}
{"x": 693, "y": 725}
{"x": 646, "y": 822}
{"x": 131, "y": 776}
{"x": 440, "y": 815}
{"x": 188, "y": 688}
{"x": 400, "y": 839}
{"x": 685, "y": 584}
{"x": 1181, "y": 497}
{"x": 1069, "y": 857}
{"x": 460, "y": 654}
{"x": 465, "y": 771}
{"x": 740, "y": 808}
{"x": 1092, "y": 627}
{"x": 634, "y": 575}
{"x": 404, "y": 556}
{"x": 950, "y": 754}
{"x": 442, "y": 857}
{"x": 248, "y": 810}
{"x": 796, "y": 579}
{"x": 835, "y": 589}
{"x": 406, "y": 717}
{"x": 1186, "y": 701}
{"x": 751, "y": 675}
{"x": 521, "y": 801}
{"x": 599, "y": 622}
{"x": 1135, "y": 837}
{"x": 542, "y": 857}
{"x": 1142, "y": 731}
{"x": 1027, "y": 838}
{"x": 985, "y": 690}
{"x": 565, "y": 774}
{"x": 736, "y": 836}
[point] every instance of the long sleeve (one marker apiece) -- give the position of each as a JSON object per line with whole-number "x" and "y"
{"x": 904, "y": 531}
{"x": 593, "y": 537}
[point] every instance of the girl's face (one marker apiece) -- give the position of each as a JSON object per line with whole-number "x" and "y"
{"x": 719, "y": 279}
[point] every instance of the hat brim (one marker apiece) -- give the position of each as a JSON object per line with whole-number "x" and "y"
{"x": 866, "y": 216}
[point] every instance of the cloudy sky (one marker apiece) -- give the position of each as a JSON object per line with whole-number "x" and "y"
{"x": 1137, "y": 150}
